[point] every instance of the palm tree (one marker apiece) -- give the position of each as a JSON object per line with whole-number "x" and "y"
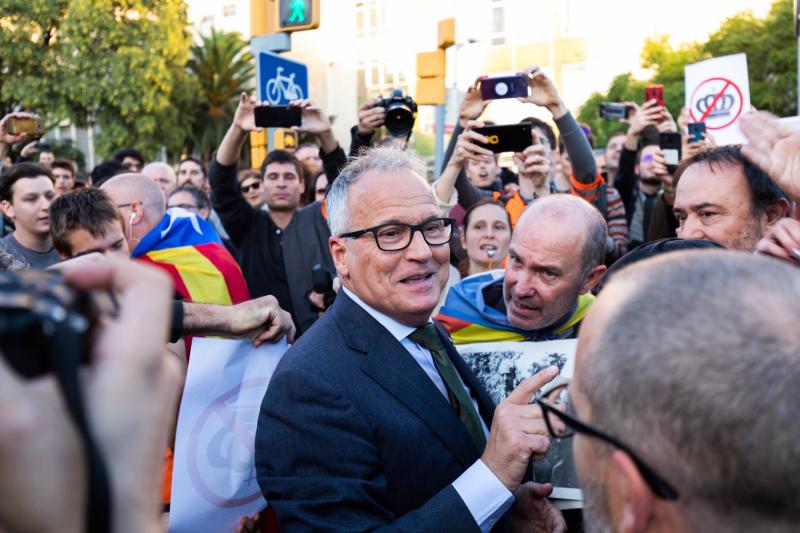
{"x": 223, "y": 66}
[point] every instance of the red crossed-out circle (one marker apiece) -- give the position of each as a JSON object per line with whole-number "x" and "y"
{"x": 219, "y": 409}
{"x": 726, "y": 84}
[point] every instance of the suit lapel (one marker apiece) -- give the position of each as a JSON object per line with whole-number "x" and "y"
{"x": 390, "y": 365}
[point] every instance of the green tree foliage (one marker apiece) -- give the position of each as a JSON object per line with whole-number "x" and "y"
{"x": 771, "y": 49}
{"x": 223, "y": 67}
{"x": 119, "y": 64}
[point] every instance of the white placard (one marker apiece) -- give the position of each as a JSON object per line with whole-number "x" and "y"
{"x": 718, "y": 93}
{"x": 214, "y": 479}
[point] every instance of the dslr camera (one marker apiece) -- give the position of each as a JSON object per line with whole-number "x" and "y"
{"x": 400, "y": 113}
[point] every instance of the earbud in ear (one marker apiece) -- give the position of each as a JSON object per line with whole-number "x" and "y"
{"x": 133, "y": 217}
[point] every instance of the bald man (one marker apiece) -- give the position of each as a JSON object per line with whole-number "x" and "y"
{"x": 140, "y": 201}
{"x": 162, "y": 175}
{"x": 684, "y": 408}
{"x": 554, "y": 260}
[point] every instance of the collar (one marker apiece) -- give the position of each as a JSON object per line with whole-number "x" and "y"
{"x": 396, "y": 329}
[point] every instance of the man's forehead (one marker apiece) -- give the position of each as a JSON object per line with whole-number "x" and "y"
{"x": 702, "y": 182}
{"x": 37, "y": 184}
{"x": 390, "y": 195}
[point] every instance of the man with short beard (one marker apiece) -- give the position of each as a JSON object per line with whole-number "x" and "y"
{"x": 722, "y": 197}
{"x": 691, "y": 427}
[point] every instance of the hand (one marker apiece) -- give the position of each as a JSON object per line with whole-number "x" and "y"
{"x": 519, "y": 433}
{"x": 660, "y": 169}
{"x": 684, "y": 119}
{"x": 532, "y": 511}
{"x": 533, "y": 163}
{"x": 466, "y": 148}
{"x": 317, "y": 300}
{"x": 29, "y": 149}
{"x": 775, "y": 149}
{"x": 370, "y": 116}
{"x": 647, "y": 115}
{"x": 245, "y": 118}
{"x": 261, "y": 319}
{"x": 472, "y": 106}
{"x": 691, "y": 149}
{"x": 314, "y": 119}
{"x": 510, "y": 189}
{"x": 542, "y": 90}
{"x": 5, "y": 136}
{"x": 130, "y": 383}
{"x": 782, "y": 240}
{"x": 667, "y": 122}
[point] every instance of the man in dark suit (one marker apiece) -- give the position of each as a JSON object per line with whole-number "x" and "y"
{"x": 372, "y": 420}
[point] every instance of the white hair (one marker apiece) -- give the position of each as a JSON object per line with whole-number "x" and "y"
{"x": 383, "y": 159}
{"x": 155, "y": 166}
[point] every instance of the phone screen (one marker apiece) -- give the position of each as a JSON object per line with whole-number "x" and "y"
{"x": 277, "y": 116}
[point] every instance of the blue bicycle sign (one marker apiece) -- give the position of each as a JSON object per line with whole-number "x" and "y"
{"x": 281, "y": 80}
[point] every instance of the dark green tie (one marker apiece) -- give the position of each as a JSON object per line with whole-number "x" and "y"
{"x": 427, "y": 337}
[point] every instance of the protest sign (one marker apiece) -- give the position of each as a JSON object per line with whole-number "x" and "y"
{"x": 718, "y": 93}
{"x": 214, "y": 480}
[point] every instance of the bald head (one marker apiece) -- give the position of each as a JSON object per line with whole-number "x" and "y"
{"x": 140, "y": 201}
{"x": 162, "y": 175}
{"x": 692, "y": 359}
{"x": 569, "y": 219}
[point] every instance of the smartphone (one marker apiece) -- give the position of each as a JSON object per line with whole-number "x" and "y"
{"x": 696, "y": 130}
{"x": 506, "y": 138}
{"x": 613, "y": 111}
{"x": 277, "y": 116}
{"x": 29, "y": 125}
{"x": 654, "y": 92}
{"x": 495, "y": 88}
{"x": 670, "y": 144}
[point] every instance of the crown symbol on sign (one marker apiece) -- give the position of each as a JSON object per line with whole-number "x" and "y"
{"x": 721, "y": 109}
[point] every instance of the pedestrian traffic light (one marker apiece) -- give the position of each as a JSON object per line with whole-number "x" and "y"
{"x": 297, "y": 15}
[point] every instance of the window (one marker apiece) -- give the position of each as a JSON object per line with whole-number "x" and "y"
{"x": 229, "y": 10}
{"x": 498, "y": 20}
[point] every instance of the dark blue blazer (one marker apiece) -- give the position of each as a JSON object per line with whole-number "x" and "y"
{"x": 353, "y": 435}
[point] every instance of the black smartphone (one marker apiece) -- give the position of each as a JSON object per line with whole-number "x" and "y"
{"x": 506, "y": 138}
{"x": 495, "y": 88}
{"x": 277, "y": 116}
{"x": 696, "y": 130}
{"x": 654, "y": 92}
{"x": 670, "y": 144}
{"x": 614, "y": 111}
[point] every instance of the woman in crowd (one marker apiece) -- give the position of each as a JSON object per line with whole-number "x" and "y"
{"x": 486, "y": 236}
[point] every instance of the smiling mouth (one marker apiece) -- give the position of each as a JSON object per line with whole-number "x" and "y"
{"x": 418, "y": 278}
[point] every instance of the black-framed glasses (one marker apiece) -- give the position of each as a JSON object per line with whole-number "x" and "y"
{"x": 396, "y": 236}
{"x": 568, "y": 425}
{"x": 188, "y": 207}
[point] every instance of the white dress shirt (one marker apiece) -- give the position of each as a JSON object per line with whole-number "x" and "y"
{"x": 484, "y": 495}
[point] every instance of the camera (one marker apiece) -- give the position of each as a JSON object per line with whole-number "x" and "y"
{"x": 400, "y": 113}
{"x": 44, "y": 324}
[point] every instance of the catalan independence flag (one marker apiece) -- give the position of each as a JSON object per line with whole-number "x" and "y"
{"x": 189, "y": 249}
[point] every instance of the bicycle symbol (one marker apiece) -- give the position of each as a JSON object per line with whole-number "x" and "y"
{"x": 283, "y": 88}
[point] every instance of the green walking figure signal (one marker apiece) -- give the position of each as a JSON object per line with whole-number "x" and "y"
{"x": 298, "y": 8}
{"x": 297, "y": 15}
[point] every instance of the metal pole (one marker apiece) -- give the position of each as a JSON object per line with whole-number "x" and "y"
{"x": 439, "y": 150}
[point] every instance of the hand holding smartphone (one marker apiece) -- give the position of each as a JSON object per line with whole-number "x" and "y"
{"x": 506, "y": 138}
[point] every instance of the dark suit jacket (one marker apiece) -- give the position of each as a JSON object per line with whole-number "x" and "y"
{"x": 354, "y": 436}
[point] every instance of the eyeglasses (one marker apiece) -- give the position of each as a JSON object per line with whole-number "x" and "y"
{"x": 563, "y": 424}
{"x": 396, "y": 236}
{"x": 254, "y": 187}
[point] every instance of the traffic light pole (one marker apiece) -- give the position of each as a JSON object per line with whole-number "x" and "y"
{"x": 439, "y": 146}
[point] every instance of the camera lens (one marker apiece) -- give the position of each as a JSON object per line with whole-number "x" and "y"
{"x": 501, "y": 88}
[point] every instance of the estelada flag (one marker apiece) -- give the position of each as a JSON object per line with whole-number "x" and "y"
{"x": 189, "y": 249}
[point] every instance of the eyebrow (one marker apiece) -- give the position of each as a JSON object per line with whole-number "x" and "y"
{"x": 395, "y": 221}
{"x": 554, "y": 268}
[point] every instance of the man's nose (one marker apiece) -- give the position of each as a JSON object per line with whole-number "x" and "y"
{"x": 418, "y": 249}
{"x": 691, "y": 229}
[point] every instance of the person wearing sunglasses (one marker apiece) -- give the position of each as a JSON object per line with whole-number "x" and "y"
{"x": 684, "y": 417}
{"x": 253, "y": 188}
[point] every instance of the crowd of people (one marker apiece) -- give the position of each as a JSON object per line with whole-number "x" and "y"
{"x": 684, "y": 393}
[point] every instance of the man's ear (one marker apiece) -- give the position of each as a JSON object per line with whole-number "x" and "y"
{"x": 594, "y": 277}
{"x": 635, "y": 500}
{"x": 776, "y": 211}
{"x": 7, "y": 208}
{"x": 338, "y": 253}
